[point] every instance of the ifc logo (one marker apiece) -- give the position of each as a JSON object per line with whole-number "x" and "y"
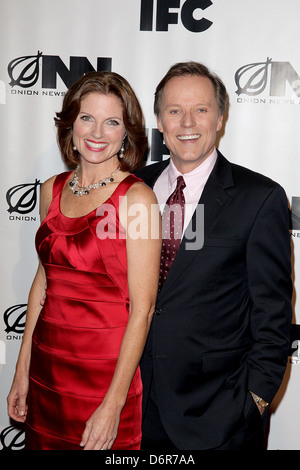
{"x": 189, "y": 12}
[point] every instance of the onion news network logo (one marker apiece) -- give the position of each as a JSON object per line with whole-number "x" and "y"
{"x": 295, "y": 234}
{"x": 270, "y": 82}
{"x": 24, "y": 72}
{"x": 22, "y": 199}
{"x": 12, "y": 438}
{"x": 295, "y": 214}
{"x": 14, "y": 319}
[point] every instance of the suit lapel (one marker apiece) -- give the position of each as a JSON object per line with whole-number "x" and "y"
{"x": 214, "y": 198}
{"x": 150, "y": 173}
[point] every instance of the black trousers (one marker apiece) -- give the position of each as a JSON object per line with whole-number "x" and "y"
{"x": 154, "y": 436}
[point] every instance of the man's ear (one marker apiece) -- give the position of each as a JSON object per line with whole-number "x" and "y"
{"x": 159, "y": 124}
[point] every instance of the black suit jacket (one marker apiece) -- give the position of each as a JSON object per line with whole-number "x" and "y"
{"x": 222, "y": 320}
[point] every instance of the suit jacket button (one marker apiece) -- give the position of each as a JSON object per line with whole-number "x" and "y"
{"x": 157, "y": 311}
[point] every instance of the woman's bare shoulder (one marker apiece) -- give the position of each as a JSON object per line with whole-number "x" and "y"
{"x": 46, "y": 196}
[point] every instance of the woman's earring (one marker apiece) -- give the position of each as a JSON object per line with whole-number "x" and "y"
{"x": 122, "y": 151}
{"x": 74, "y": 148}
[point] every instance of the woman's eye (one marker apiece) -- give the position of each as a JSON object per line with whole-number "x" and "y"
{"x": 86, "y": 118}
{"x": 113, "y": 122}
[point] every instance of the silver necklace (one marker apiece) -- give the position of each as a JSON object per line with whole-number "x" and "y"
{"x": 81, "y": 191}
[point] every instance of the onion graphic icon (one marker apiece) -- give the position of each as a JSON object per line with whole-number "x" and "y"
{"x": 24, "y": 71}
{"x": 14, "y": 318}
{"x": 252, "y": 79}
{"x": 22, "y": 198}
{"x": 12, "y": 438}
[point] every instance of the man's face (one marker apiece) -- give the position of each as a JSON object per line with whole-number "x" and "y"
{"x": 189, "y": 120}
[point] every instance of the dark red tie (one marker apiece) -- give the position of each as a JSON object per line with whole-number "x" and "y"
{"x": 172, "y": 226}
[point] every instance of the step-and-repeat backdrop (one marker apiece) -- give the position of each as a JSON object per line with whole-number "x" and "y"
{"x": 46, "y": 45}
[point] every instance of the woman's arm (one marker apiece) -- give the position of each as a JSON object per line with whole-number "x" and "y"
{"x": 143, "y": 258}
{"x": 16, "y": 400}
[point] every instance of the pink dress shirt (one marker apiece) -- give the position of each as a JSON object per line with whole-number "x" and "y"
{"x": 195, "y": 181}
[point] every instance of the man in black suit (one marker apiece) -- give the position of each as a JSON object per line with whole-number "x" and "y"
{"x": 219, "y": 340}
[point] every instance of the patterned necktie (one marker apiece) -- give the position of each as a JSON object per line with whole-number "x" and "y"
{"x": 172, "y": 226}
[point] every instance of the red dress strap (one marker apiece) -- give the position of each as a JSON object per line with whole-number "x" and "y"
{"x": 122, "y": 189}
{"x": 59, "y": 183}
{"x": 56, "y": 192}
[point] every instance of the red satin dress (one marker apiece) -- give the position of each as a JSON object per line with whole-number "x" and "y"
{"x": 78, "y": 334}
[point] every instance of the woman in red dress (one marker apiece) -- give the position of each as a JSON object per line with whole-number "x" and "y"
{"x": 77, "y": 382}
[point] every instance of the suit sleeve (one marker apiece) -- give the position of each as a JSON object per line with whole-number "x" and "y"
{"x": 270, "y": 285}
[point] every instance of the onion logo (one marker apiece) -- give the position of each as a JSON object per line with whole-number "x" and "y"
{"x": 14, "y": 318}
{"x": 12, "y": 438}
{"x": 22, "y": 197}
{"x": 28, "y": 75}
{"x": 254, "y": 78}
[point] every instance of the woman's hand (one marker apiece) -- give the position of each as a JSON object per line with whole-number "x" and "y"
{"x": 102, "y": 428}
{"x": 16, "y": 400}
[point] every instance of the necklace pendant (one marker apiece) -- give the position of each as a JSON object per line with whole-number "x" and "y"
{"x": 86, "y": 191}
